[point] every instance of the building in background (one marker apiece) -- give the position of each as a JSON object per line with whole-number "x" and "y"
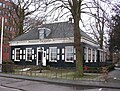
{"x": 9, "y": 27}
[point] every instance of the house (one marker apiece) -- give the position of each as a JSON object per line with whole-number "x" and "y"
{"x": 52, "y": 44}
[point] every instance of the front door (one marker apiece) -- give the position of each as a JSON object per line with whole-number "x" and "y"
{"x": 40, "y": 58}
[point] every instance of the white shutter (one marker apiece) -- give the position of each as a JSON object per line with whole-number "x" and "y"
{"x": 63, "y": 50}
{"x": 58, "y": 57}
{"x": 13, "y": 57}
{"x": 23, "y": 51}
{"x": 20, "y": 56}
{"x": 13, "y": 52}
{"x": 74, "y": 50}
{"x": 58, "y": 51}
{"x": 47, "y": 57}
{"x": 95, "y": 56}
{"x": 47, "y": 51}
{"x": 32, "y": 57}
{"x": 23, "y": 56}
{"x": 74, "y": 57}
{"x": 20, "y": 51}
{"x": 91, "y": 55}
{"x": 86, "y": 55}
{"x": 62, "y": 57}
{"x": 35, "y": 55}
{"x": 33, "y": 51}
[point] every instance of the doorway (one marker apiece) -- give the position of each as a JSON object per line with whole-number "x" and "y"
{"x": 40, "y": 58}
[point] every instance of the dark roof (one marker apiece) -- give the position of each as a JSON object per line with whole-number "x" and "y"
{"x": 58, "y": 30}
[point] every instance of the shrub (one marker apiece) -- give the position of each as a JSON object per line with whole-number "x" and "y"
{"x": 7, "y": 67}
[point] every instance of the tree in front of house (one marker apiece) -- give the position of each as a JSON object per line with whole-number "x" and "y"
{"x": 75, "y": 8}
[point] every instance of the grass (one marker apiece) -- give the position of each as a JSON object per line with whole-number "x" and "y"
{"x": 56, "y": 74}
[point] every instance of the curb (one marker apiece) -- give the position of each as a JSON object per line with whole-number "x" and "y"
{"x": 65, "y": 82}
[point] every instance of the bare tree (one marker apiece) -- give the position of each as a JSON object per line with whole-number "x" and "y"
{"x": 99, "y": 26}
{"x": 76, "y": 8}
{"x": 23, "y": 9}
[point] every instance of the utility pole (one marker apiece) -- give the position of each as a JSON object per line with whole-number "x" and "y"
{"x": 1, "y": 44}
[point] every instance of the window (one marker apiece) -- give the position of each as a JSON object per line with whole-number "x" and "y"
{"x": 41, "y": 34}
{"x": 17, "y": 54}
{"x": 89, "y": 54}
{"x": 28, "y": 54}
{"x": 53, "y": 54}
{"x": 69, "y": 54}
{"x": 0, "y": 4}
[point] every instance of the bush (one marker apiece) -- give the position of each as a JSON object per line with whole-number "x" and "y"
{"x": 93, "y": 70}
{"x": 7, "y": 67}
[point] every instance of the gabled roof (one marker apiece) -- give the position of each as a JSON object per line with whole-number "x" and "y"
{"x": 58, "y": 30}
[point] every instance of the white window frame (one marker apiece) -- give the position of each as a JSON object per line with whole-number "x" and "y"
{"x": 16, "y": 54}
{"x": 55, "y": 54}
{"x": 27, "y": 54}
{"x": 95, "y": 56}
{"x": 66, "y": 53}
{"x": 85, "y": 53}
{"x": 89, "y": 54}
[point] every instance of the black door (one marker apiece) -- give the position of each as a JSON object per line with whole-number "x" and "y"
{"x": 40, "y": 58}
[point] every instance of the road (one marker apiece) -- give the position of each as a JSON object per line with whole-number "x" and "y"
{"x": 114, "y": 76}
{"x": 11, "y": 84}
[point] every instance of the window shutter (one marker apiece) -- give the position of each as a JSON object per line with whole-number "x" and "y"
{"x": 91, "y": 55}
{"x": 33, "y": 51}
{"x": 32, "y": 57}
{"x": 23, "y": 51}
{"x": 58, "y": 51}
{"x": 20, "y": 56}
{"x": 86, "y": 55}
{"x": 62, "y": 57}
{"x": 20, "y": 51}
{"x": 47, "y": 51}
{"x": 47, "y": 57}
{"x": 74, "y": 50}
{"x": 13, "y": 52}
{"x": 74, "y": 57}
{"x": 12, "y": 56}
{"x": 58, "y": 57}
{"x": 63, "y": 50}
{"x": 23, "y": 56}
{"x": 95, "y": 56}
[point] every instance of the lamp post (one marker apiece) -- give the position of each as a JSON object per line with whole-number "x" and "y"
{"x": 1, "y": 44}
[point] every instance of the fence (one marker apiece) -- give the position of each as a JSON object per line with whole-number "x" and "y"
{"x": 47, "y": 72}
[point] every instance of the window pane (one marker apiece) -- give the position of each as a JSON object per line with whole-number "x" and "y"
{"x": 53, "y": 53}
{"x": 29, "y": 55}
{"x": 69, "y": 53}
{"x": 17, "y": 54}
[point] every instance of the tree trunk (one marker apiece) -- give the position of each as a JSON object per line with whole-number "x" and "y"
{"x": 77, "y": 45}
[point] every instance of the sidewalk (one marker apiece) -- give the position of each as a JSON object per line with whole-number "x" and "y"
{"x": 66, "y": 82}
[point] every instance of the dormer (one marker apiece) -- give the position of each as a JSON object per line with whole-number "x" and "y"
{"x": 43, "y": 32}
